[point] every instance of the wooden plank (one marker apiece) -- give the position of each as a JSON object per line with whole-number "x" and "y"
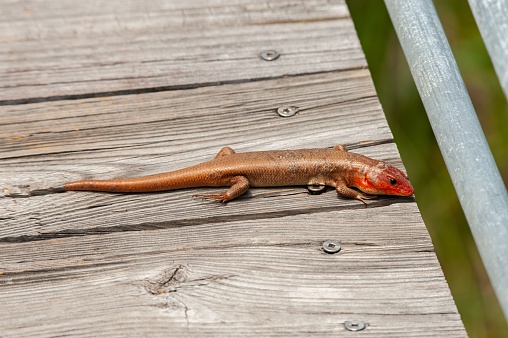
{"x": 110, "y": 89}
{"x": 163, "y": 123}
{"x": 66, "y": 49}
{"x": 276, "y": 280}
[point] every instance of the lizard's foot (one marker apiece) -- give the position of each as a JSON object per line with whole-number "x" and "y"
{"x": 216, "y": 197}
{"x": 363, "y": 198}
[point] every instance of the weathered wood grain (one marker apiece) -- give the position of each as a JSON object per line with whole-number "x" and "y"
{"x": 102, "y": 89}
{"x": 276, "y": 281}
{"x": 334, "y": 107}
{"x": 67, "y": 49}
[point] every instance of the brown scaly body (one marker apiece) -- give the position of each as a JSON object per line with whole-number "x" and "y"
{"x": 335, "y": 167}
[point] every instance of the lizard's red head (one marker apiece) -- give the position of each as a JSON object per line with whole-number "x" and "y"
{"x": 384, "y": 180}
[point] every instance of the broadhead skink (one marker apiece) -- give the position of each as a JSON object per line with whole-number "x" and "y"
{"x": 335, "y": 167}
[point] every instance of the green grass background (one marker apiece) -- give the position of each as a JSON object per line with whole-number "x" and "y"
{"x": 435, "y": 194}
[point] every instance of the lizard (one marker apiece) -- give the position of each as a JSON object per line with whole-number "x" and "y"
{"x": 335, "y": 167}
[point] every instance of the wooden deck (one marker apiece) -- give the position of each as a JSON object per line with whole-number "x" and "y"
{"x": 104, "y": 89}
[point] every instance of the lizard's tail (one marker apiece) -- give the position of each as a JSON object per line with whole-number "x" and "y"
{"x": 178, "y": 179}
{"x": 59, "y": 188}
{"x": 138, "y": 184}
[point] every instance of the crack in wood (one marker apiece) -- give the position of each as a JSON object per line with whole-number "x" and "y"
{"x": 382, "y": 202}
{"x": 186, "y": 312}
{"x": 166, "y": 277}
{"x": 171, "y": 279}
{"x": 369, "y": 143}
{"x": 426, "y": 250}
{"x": 310, "y": 20}
{"x": 364, "y": 244}
{"x": 25, "y": 275}
{"x": 166, "y": 282}
{"x": 163, "y": 88}
{"x": 334, "y": 104}
{"x": 75, "y": 151}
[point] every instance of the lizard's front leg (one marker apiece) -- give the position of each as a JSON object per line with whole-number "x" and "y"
{"x": 225, "y": 152}
{"x": 240, "y": 185}
{"x": 345, "y": 191}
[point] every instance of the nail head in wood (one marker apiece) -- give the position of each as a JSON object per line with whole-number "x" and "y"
{"x": 331, "y": 246}
{"x": 354, "y": 325}
{"x": 269, "y": 55}
{"x": 287, "y": 111}
{"x": 316, "y": 189}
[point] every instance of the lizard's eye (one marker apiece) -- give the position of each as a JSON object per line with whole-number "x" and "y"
{"x": 393, "y": 181}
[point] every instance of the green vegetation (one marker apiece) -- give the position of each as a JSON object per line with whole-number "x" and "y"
{"x": 435, "y": 195}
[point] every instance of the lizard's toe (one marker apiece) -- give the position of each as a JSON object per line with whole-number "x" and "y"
{"x": 363, "y": 198}
{"x": 215, "y": 197}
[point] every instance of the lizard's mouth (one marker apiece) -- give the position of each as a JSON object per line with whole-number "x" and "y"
{"x": 407, "y": 190}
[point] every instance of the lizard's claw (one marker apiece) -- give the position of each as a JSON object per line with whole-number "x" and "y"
{"x": 216, "y": 197}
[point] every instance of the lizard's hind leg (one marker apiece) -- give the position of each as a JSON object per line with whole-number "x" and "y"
{"x": 240, "y": 185}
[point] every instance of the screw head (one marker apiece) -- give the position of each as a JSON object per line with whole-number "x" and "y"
{"x": 331, "y": 246}
{"x": 354, "y": 325}
{"x": 269, "y": 55}
{"x": 287, "y": 111}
